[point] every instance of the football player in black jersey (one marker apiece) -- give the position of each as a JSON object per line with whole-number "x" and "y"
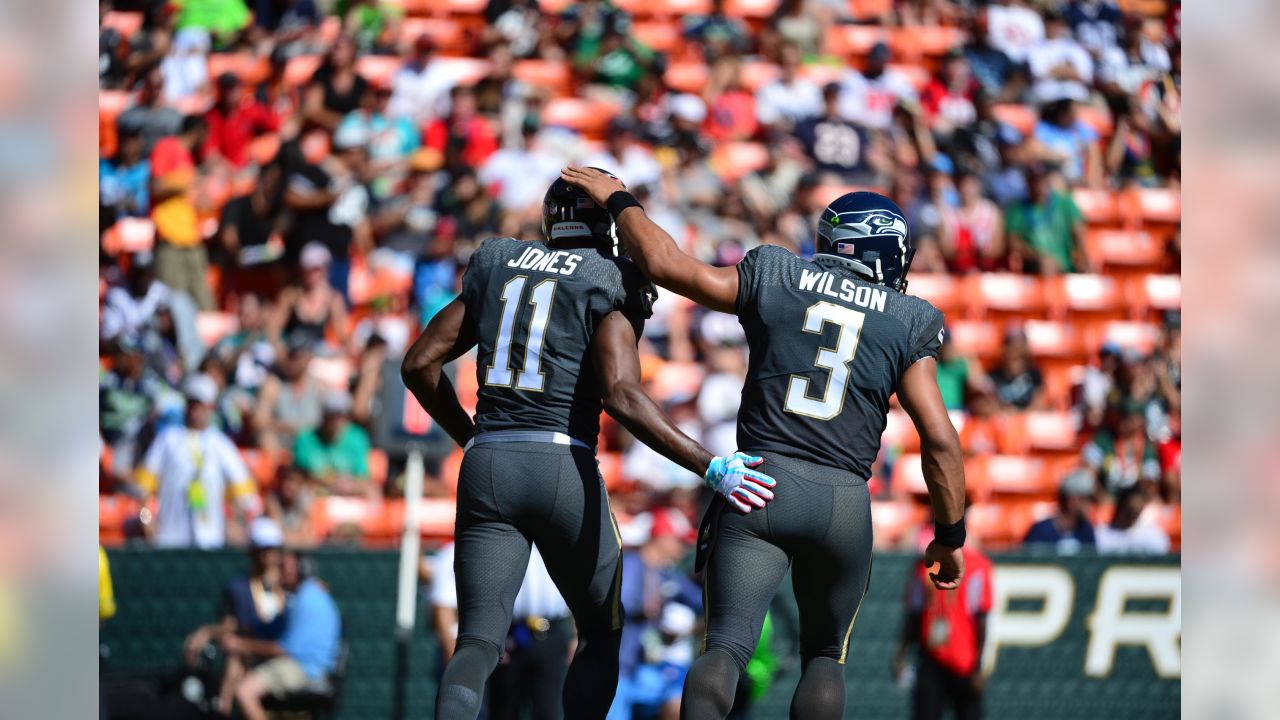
{"x": 556, "y": 323}
{"x": 830, "y": 341}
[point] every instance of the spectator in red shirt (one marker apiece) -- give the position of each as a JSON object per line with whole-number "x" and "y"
{"x": 948, "y": 99}
{"x": 464, "y": 136}
{"x": 235, "y": 119}
{"x": 951, "y": 628}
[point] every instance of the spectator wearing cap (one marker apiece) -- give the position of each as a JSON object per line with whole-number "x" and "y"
{"x": 181, "y": 260}
{"x": 1017, "y": 382}
{"x": 310, "y": 311}
{"x": 1046, "y": 231}
{"x": 124, "y": 180}
{"x": 626, "y": 158}
{"x": 870, "y": 97}
{"x": 235, "y": 119}
{"x": 290, "y": 399}
{"x": 464, "y": 137}
{"x": 305, "y": 654}
{"x": 838, "y": 147}
{"x": 789, "y": 99}
{"x": 289, "y": 502}
{"x": 651, "y": 580}
{"x": 192, "y": 469}
{"x": 1070, "y": 530}
{"x": 336, "y": 453}
{"x": 251, "y": 606}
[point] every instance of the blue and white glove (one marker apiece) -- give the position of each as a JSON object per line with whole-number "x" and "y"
{"x": 743, "y": 487}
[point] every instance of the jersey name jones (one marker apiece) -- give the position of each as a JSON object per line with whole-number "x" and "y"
{"x": 860, "y": 295}
{"x": 534, "y": 259}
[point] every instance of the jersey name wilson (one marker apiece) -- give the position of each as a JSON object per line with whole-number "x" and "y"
{"x": 565, "y": 263}
{"x": 824, "y": 283}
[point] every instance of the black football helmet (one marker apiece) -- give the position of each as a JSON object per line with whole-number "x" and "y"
{"x": 868, "y": 232}
{"x": 570, "y": 218}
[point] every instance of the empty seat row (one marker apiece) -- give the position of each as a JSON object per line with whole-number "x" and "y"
{"x": 1079, "y": 296}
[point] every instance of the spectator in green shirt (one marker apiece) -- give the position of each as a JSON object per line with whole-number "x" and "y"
{"x": 336, "y": 454}
{"x": 957, "y": 374}
{"x": 1046, "y": 231}
{"x": 220, "y": 17}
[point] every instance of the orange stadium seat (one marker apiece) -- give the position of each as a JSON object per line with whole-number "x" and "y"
{"x": 1159, "y": 205}
{"x": 378, "y": 466}
{"x": 251, "y": 69}
{"x": 330, "y": 29}
{"x": 299, "y": 70}
{"x": 1011, "y": 475}
{"x": 448, "y": 35}
{"x": 1006, "y": 293}
{"x": 1098, "y": 206}
{"x": 1098, "y": 296}
{"x": 1133, "y": 249}
{"x": 757, "y": 73}
{"x": 550, "y": 74}
{"x": 908, "y": 476}
{"x": 378, "y": 70}
{"x": 892, "y": 520}
{"x": 1055, "y": 340}
{"x": 457, "y": 7}
{"x": 689, "y": 76}
{"x": 978, "y": 338}
{"x": 900, "y": 433}
{"x": 665, "y": 8}
{"x": 1020, "y": 117}
{"x": 585, "y": 116}
{"x": 917, "y": 75}
{"x": 1051, "y": 431}
{"x": 554, "y": 7}
{"x": 125, "y": 23}
{"x": 1140, "y": 336}
{"x": 942, "y": 290}
{"x": 130, "y": 235}
{"x": 262, "y": 466}
{"x": 1059, "y": 382}
{"x": 732, "y": 160}
{"x": 999, "y": 525}
{"x": 1155, "y": 292}
{"x": 435, "y": 518}
{"x": 113, "y": 512}
{"x": 869, "y": 9}
{"x": 610, "y": 464}
{"x": 853, "y": 40}
{"x": 912, "y": 44}
{"x": 757, "y": 9}
{"x": 1097, "y": 118}
{"x": 449, "y": 470}
{"x": 212, "y": 326}
{"x": 660, "y": 35}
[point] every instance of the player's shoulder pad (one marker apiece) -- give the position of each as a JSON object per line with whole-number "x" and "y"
{"x": 924, "y": 322}
{"x": 492, "y": 250}
{"x": 767, "y": 264}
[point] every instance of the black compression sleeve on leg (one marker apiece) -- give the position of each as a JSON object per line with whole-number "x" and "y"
{"x": 592, "y": 680}
{"x": 709, "y": 687}
{"x": 820, "y": 694}
{"x": 462, "y": 686}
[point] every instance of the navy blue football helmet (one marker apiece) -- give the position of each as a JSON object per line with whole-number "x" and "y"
{"x": 868, "y": 232}
{"x": 570, "y": 218}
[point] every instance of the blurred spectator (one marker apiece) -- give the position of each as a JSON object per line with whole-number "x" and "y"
{"x": 1069, "y": 143}
{"x": 124, "y": 180}
{"x": 1014, "y": 28}
{"x": 149, "y": 117}
{"x": 1120, "y": 453}
{"x": 973, "y": 232}
{"x": 625, "y": 157}
{"x": 235, "y": 119}
{"x": 391, "y": 139}
{"x": 948, "y": 99}
{"x": 311, "y": 311}
{"x": 420, "y": 88}
{"x": 327, "y": 201}
{"x": 717, "y": 35}
{"x": 251, "y": 606}
{"x": 463, "y": 137}
{"x": 1094, "y": 22}
{"x": 248, "y": 352}
{"x": 336, "y": 88}
{"x": 219, "y": 17}
{"x": 668, "y": 651}
{"x": 1046, "y": 231}
{"x": 651, "y": 582}
{"x": 127, "y": 396}
{"x": 1017, "y": 382}
{"x": 1062, "y": 68}
{"x": 794, "y": 23}
{"x": 869, "y": 97}
{"x": 618, "y": 62}
{"x": 336, "y": 453}
{"x": 305, "y": 654}
{"x": 991, "y": 67}
{"x": 1097, "y": 384}
{"x": 130, "y": 308}
{"x": 958, "y": 375}
{"x": 251, "y": 236}
{"x": 838, "y": 146}
{"x": 950, "y": 626}
{"x": 192, "y": 469}
{"x": 181, "y": 260}
{"x": 1130, "y": 532}
{"x": 1070, "y": 530}
{"x": 784, "y": 102}
{"x": 289, "y": 502}
{"x": 285, "y": 20}
{"x": 732, "y": 114}
{"x": 986, "y": 430}
{"x": 518, "y": 175}
{"x": 1130, "y": 155}
{"x": 186, "y": 67}
{"x": 289, "y": 400}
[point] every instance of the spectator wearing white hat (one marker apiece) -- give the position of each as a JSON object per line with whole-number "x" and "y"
{"x": 192, "y": 469}
{"x": 311, "y": 311}
{"x": 336, "y": 453}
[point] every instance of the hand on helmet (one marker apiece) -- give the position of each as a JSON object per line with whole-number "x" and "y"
{"x": 743, "y": 487}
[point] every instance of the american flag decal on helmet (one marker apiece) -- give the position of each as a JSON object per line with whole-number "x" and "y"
{"x": 845, "y": 248}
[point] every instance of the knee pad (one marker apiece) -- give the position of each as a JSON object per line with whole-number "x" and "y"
{"x": 741, "y": 654}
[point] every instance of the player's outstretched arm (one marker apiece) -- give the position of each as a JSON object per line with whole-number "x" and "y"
{"x": 445, "y": 339}
{"x": 613, "y": 348}
{"x": 653, "y": 250}
{"x": 943, "y": 466}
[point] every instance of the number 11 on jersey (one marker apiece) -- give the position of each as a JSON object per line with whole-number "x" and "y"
{"x": 531, "y": 377}
{"x": 835, "y": 360}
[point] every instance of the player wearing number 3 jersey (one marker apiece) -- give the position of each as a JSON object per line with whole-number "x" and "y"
{"x": 556, "y": 324}
{"x": 830, "y": 341}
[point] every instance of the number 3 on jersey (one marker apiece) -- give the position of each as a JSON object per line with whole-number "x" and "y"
{"x": 835, "y": 360}
{"x": 531, "y": 377}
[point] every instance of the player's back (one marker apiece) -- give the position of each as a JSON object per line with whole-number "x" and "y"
{"x": 534, "y": 309}
{"x": 827, "y": 351}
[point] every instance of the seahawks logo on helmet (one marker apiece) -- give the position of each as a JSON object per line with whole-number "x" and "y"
{"x": 871, "y": 234}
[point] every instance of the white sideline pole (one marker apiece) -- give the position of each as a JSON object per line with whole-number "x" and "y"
{"x": 407, "y": 586}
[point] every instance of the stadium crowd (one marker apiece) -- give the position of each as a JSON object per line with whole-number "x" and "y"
{"x": 290, "y": 189}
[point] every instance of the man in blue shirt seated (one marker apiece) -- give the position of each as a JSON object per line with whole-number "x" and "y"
{"x": 304, "y": 655}
{"x": 1070, "y": 530}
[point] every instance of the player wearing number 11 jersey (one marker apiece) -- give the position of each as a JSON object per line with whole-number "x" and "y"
{"x": 556, "y": 324}
{"x": 830, "y": 340}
